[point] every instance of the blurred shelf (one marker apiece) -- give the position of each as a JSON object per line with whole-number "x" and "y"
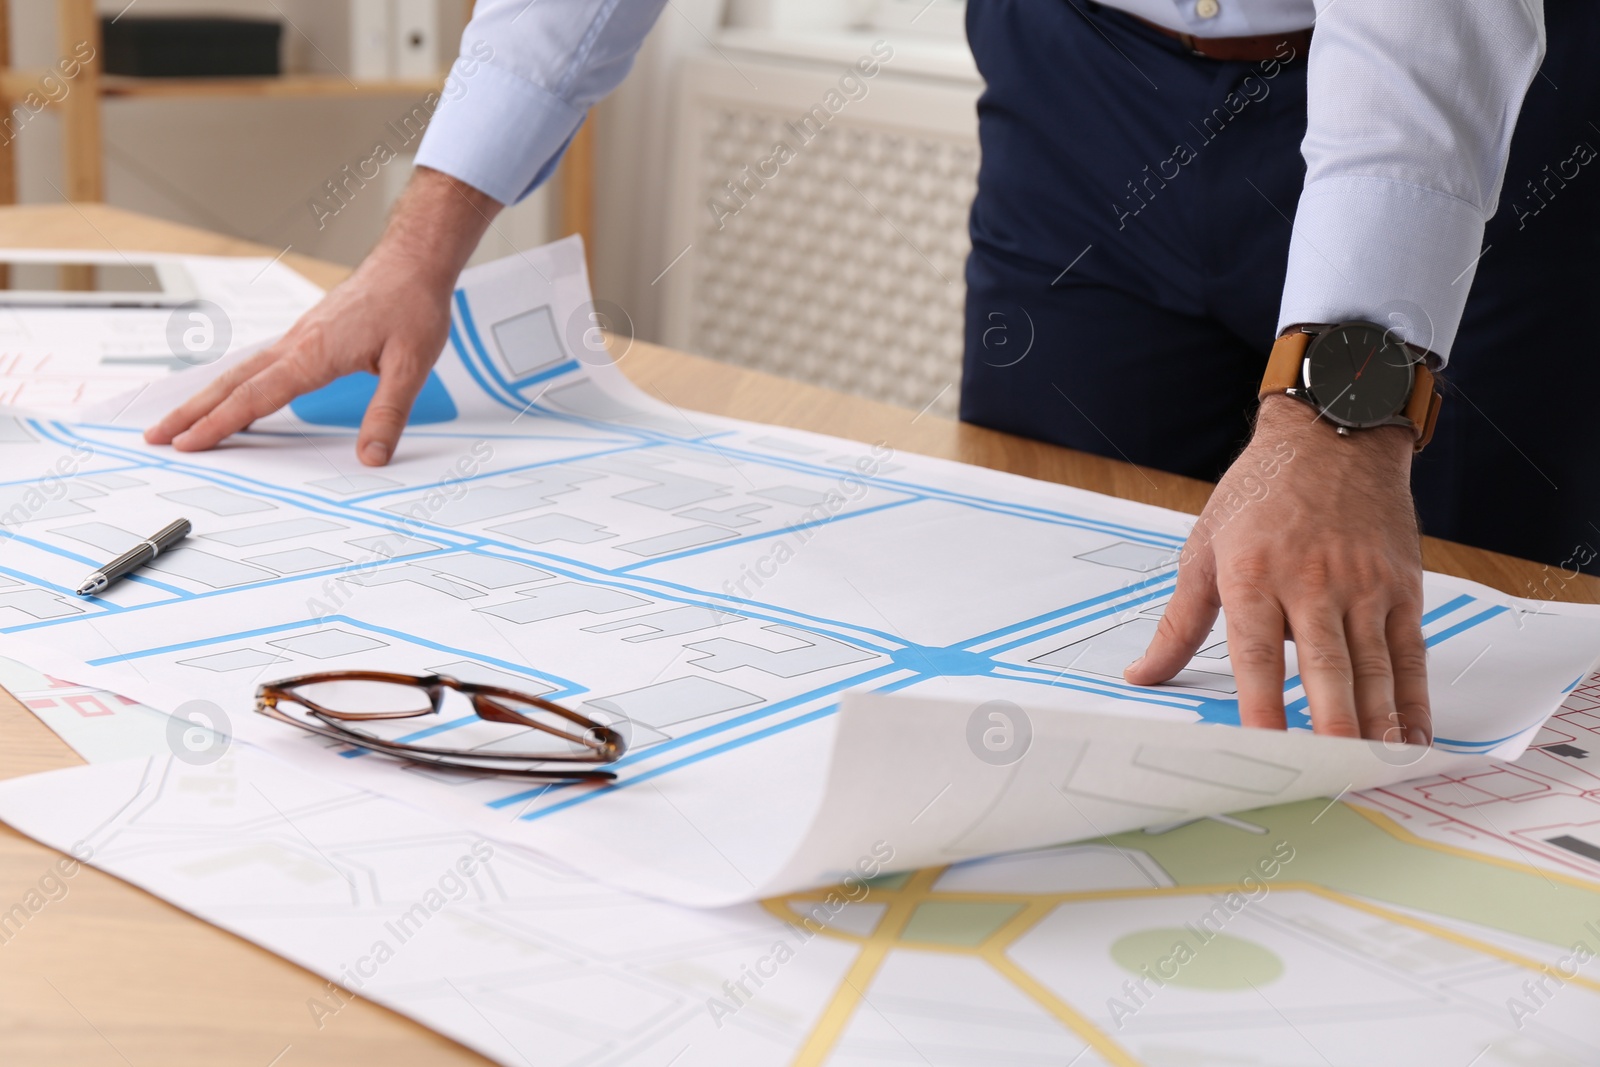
{"x": 80, "y": 99}
{"x": 17, "y": 84}
{"x": 278, "y": 87}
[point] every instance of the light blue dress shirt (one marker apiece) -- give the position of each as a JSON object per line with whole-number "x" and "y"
{"x": 1412, "y": 107}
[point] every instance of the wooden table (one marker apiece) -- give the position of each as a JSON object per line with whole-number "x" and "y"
{"x": 112, "y": 975}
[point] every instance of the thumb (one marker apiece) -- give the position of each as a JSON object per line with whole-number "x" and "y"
{"x": 1184, "y": 626}
{"x": 400, "y": 379}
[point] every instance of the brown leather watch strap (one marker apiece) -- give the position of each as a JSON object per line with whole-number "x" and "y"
{"x": 1423, "y": 407}
{"x": 1283, "y": 374}
{"x": 1283, "y": 366}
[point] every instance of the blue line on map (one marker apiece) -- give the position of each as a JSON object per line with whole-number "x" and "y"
{"x": 1114, "y": 609}
{"x": 734, "y": 723}
{"x": 385, "y": 522}
{"x": 1021, "y": 511}
{"x": 1479, "y": 746}
{"x": 1068, "y": 682}
{"x": 80, "y": 474}
{"x": 764, "y": 535}
{"x": 565, "y": 686}
{"x": 545, "y": 375}
{"x": 1119, "y": 687}
{"x": 472, "y": 368}
{"x": 1439, "y": 638}
{"x": 420, "y": 735}
{"x": 92, "y": 564}
{"x": 802, "y": 466}
{"x": 1467, "y": 624}
{"x": 349, "y": 568}
{"x": 36, "y": 580}
{"x": 652, "y": 587}
{"x": 292, "y": 497}
{"x": 489, "y": 365}
{"x": 696, "y": 757}
{"x": 577, "y": 458}
{"x": 1012, "y": 628}
{"x": 1446, "y": 608}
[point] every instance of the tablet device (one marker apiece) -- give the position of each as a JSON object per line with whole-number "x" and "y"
{"x": 67, "y": 279}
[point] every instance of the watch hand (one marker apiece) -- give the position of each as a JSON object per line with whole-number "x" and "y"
{"x": 1365, "y": 362}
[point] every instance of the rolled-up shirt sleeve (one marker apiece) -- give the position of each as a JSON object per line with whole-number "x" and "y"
{"x": 1411, "y": 107}
{"x": 528, "y": 72}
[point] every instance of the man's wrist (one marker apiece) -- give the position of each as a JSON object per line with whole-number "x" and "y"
{"x": 433, "y": 229}
{"x": 1382, "y": 449}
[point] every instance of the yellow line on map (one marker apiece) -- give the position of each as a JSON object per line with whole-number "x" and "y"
{"x": 836, "y": 1016}
{"x": 1097, "y": 1038}
{"x": 993, "y": 950}
{"x": 1013, "y": 928}
{"x": 1394, "y": 829}
{"x": 901, "y": 904}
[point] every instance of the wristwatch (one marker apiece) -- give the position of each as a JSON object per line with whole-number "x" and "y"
{"x": 1357, "y": 375}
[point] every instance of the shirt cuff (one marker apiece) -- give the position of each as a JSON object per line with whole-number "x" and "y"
{"x": 496, "y": 131}
{"x": 1382, "y": 251}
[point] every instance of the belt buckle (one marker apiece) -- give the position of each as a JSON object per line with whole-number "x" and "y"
{"x": 1192, "y": 43}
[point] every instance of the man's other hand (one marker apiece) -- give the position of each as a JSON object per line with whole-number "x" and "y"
{"x": 1313, "y": 537}
{"x": 390, "y": 318}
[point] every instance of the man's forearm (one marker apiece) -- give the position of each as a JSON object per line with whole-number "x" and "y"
{"x": 434, "y": 228}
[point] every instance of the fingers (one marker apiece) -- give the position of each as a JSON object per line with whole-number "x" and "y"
{"x": 270, "y": 379}
{"x": 400, "y": 379}
{"x": 1326, "y": 671}
{"x": 1184, "y": 626}
{"x": 254, "y": 398}
{"x": 1372, "y": 673}
{"x": 1408, "y": 651}
{"x": 387, "y": 302}
{"x": 1255, "y": 647}
{"x": 1369, "y": 676}
{"x": 186, "y": 414}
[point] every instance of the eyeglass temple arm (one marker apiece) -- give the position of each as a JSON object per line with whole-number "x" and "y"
{"x": 596, "y": 735}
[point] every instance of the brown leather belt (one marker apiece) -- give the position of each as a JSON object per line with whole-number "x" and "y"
{"x": 1242, "y": 49}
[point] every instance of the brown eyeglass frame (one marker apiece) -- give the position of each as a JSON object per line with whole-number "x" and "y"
{"x": 604, "y": 743}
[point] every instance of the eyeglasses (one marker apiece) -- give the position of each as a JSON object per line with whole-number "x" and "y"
{"x": 510, "y": 732}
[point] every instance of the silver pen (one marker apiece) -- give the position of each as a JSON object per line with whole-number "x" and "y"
{"x": 135, "y": 557}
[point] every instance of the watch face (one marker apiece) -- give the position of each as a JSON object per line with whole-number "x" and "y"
{"x": 1359, "y": 374}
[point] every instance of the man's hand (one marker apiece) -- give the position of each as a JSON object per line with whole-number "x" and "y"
{"x": 390, "y": 317}
{"x": 1311, "y": 536}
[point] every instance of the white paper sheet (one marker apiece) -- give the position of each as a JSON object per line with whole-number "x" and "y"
{"x": 1315, "y": 936}
{"x": 711, "y": 585}
{"x": 57, "y": 361}
{"x": 905, "y": 771}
